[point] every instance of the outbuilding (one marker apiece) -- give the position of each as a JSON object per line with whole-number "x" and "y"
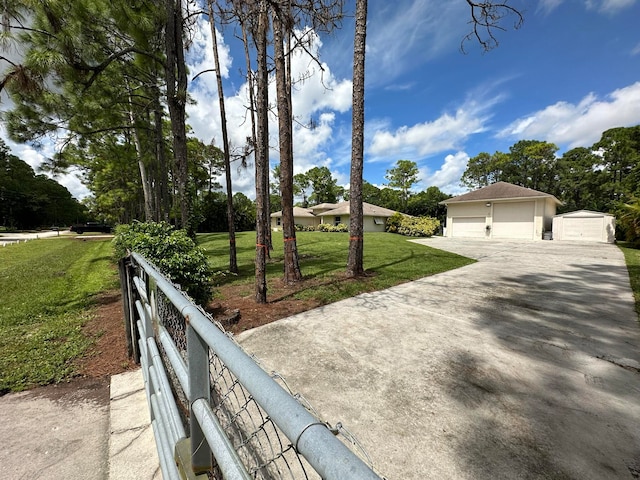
{"x": 586, "y": 226}
{"x": 501, "y": 211}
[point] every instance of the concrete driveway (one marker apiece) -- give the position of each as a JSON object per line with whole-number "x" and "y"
{"x": 523, "y": 365}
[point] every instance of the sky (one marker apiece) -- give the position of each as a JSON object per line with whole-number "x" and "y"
{"x": 569, "y": 73}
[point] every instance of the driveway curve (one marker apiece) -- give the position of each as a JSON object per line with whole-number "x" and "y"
{"x": 522, "y": 365}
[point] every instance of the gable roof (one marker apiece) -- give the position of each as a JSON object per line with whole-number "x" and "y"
{"x": 368, "y": 210}
{"x": 584, "y": 213}
{"x": 297, "y": 212}
{"x": 499, "y": 191}
{"x": 342, "y": 208}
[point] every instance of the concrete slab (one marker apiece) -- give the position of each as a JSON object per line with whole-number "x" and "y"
{"x": 55, "y": 433}
{"x": 132, "y": 449}
{"x": 518, "y": 366}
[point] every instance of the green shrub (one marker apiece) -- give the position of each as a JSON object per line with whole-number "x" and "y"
{"x": 327, "y": 227}
{"x": 394, "y": 222}
{"x": 172, "y": 251}
{"x": 418, "y": 226}
{"x": 305, "y": 228}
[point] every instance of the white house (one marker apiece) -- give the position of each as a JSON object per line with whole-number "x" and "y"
{"x": 585, "y": 225}
{"x": 374, "y": 217}
{"x": 501, "y": 211}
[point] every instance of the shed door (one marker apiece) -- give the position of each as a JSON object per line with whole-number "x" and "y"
{"x": 513, "y": 220}
{"x": 583, "y": 228}
{"x": 468, "y": 227}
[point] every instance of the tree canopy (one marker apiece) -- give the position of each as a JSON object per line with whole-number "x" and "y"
{"x": 28, "y": 200}
{"x": 597, "y": 178}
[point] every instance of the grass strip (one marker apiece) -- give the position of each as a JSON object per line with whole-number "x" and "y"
{"x": 632, "y": 259}
{"x": 390, "y": 259}
{"x": 46, "y": 289}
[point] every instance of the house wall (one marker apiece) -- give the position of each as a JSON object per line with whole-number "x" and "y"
{"x": 369, "y": 224}
{"x": 584, "y": 226}
{"x": 531, "y": 217}
{"x": 297, "y": 220}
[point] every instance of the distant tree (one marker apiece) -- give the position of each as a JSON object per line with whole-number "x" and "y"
{"x": 403, "y": 176}
{"x": 28, "y": 200}
{"x": 300, "y": 186}
{"x": 245, "y": 212}
{"x": 532, "y": 164}
{"x": 580, "y": 180}
{"x": 324, "y": 186}
{"x": 620, "y": 152}
{"x": 485, "y": 169}
{"x": 427, "y": 204}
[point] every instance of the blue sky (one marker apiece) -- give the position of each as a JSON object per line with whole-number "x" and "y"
{"x": 569, "y": 73}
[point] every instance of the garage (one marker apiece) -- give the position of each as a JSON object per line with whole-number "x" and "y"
{"x": 501, "y": 211}
{"x": 584, "y": 226}
{"x": 513, "y": 220}
{"x": 473, "y": 227}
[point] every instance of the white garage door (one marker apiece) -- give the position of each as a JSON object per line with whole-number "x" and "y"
{"x": 468, "y": 227}
{"x": 583, "y": 228}
{"x": 513, "y": 220}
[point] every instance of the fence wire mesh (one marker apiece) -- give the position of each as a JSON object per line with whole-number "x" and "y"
{"x": 265, "y": 451}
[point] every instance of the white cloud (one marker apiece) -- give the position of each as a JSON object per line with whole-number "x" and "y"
{"x": 603, "y": 6}
{"x": 448, "y": 132}
{"x": 609, "y": 6}
{"x": 635, "y": 50}
{"x": 404, "y": 34}
{"x": 579, "y": 125}
{"x": 447, "y": 177}
{"x": 317, "y": 96}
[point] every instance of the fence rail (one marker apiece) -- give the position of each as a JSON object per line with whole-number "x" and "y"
{"x": 215, "y": 412}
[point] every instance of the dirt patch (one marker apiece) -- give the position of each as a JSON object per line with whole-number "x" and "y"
{"x": 108, "y": 356}
{"x": 234, "y": 307}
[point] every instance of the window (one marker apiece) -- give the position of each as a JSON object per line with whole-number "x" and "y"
{"x": 378, "y": 221}
{"x": 278, "y": 221}
{"x": 336, "y": 220}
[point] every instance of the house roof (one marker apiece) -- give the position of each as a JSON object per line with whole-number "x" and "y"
{"x": 297, "y": 212}
{"x": 368, "y": 210}
{"x": 499, "y": 191}
{"x": 324, "y": 206}
{"x": 584, "y": 213}
{"x": 342, "y": 208}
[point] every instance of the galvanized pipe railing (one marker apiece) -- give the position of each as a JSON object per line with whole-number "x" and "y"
{"x": 331, "y": 459}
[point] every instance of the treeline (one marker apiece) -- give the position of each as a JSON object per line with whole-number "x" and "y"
{"x": 29, "y": 201}
{"x": 602, "y": 177}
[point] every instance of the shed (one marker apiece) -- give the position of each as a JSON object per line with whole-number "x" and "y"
{"x": 586, "y": 226}
{"x": 501, "y": 211}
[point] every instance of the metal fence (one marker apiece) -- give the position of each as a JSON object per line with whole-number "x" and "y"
{"x": 215, "y": 412}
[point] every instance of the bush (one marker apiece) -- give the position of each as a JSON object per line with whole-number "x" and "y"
{"x": 327, "y": 227}
{"x": 172, "y": 251}
{"x": 418, "y": 226}
{"x": 305, "y": 228}
{"x": 394, "y": 222}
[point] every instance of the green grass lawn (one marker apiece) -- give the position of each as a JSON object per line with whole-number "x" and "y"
{"x": 46, "y": 289}
{"x": 391, "y": 259}
{"x": 632, "y": 258}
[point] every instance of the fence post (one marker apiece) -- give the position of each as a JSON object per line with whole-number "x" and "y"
{"x": 199, "y": 387}
{"x": 130, "y": 328}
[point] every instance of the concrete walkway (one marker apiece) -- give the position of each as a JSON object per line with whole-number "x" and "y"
{"x": 90, "y": 429}
{"x": 523, "y": 365}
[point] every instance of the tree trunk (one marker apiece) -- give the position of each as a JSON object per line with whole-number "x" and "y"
{"x": 161, "y": 190}
{"x": 262, "y": 153}
{"x": 355, "y": 263}
{"x": 291, "y": 262}
{"x": 176, "y": 73}
{"x": 233, "y": 261}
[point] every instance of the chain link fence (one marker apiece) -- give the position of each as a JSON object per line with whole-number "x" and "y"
{"x": 259, "y": 443}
